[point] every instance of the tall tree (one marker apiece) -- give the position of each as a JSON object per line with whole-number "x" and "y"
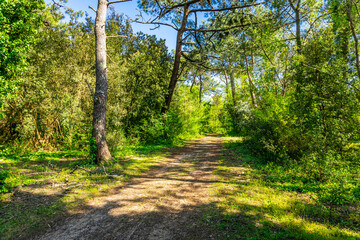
{"x": 185, "y": 21}
{"x": 100, "y": 95}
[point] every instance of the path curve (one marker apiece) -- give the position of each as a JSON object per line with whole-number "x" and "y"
{"x": 165, "y": 204}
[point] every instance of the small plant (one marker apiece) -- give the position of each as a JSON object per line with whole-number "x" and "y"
{"x": 337, "y": 193}
{"x": 92, "y": 150}
{"x": 4, "y": 187}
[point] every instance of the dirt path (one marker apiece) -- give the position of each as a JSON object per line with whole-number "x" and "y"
{"x": 167, "y": 203}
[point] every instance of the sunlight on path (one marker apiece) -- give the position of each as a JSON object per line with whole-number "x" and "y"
{"x": 167, "y": 203}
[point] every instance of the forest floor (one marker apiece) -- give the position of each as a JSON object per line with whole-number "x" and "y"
{"x": 212, "y": 188}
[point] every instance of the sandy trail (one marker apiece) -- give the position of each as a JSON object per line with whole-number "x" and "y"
{"x": 167, "y": 203}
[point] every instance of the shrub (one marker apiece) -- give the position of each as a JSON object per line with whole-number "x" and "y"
{"x": 4, "y": 187}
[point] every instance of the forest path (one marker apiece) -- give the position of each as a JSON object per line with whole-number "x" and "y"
{"x": 166, "y": 203}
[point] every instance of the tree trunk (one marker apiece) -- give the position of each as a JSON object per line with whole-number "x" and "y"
{"x": 100, "y": 95}
{"x": 226, "y": 84}
{"x": 193, "y": 82}
{"x": 296, "y": 10}
{"x": 356, "y": 40}
{"x": 175, "y": 72}
{"x": 251, "y": 83}
{"x": 232, "y": 84}
{"x": 200, "y": 92}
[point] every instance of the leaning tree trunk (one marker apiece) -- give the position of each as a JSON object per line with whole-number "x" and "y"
{"x": 100, "y": 95}
{"x": 251, "y": 84}
{"x": 356, "y": 40}
{"x": 175, "y": 72}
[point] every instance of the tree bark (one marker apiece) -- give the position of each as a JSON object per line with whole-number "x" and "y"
{"x": 100, "y": 95}
{"x": 296, "y": 10}
{"x": 226, "y": 84}
{"x": 175, "y": 71}
{"x": 232, "y": 84}
{"x": 193, "y": 82}
{"x": 251, "y": 83}
{"x": 200, "y": 91}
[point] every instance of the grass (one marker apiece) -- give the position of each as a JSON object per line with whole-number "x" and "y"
{"x": 255, "y": 200}
{"x": 46, "y": 186}
{"x": 254, "y": 204}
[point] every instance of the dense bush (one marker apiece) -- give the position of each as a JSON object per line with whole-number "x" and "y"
{"x": 309, "y": 129}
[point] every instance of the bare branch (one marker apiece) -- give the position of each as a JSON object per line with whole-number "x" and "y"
{"x": 59, "y": 5}
{"x": 90, "y": 89}
{"x": 157, "y": 23}
{"x": 198, "y": 63}
{"x": 292, "y": 5}
{"x": 92, "y": 9}
{"x": 169, "y": 9}
{"x": 228, "y": 8}
{"x": 118, "y": 1}
{"x": 116, "y": 36}
{"x": 312, "y": 24}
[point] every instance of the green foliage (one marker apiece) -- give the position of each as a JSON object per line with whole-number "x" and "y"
{"x": 187, "y": 113}
{"x": 151, "y": 130}
{"x": 278, "y": 201}
{"x": 53, "y": 106}
{"x": 337, "y": 193}
{"x": 270, "y": 128}
{"x": 19, "y": 22}
{"x": 92, "y": 149}
{"x": 4, "y": 187}
{"x": 216, "y": 117}
{"x": 139, "y": 88}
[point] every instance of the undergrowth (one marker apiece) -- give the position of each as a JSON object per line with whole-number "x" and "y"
{"x": 261, "y": 200}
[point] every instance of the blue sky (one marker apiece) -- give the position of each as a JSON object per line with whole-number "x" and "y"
{"x": 130, "y": 10}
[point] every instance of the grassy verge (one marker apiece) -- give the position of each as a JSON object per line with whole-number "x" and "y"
{"x": 43, "y": 187}
{"x": 256, "y": 203}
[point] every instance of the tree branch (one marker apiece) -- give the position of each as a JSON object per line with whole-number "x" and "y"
{"x": 226, "y": 9}
{"x": 92, "y": 9}
{"x": 115, "y": 36}
{"x": 312, "y": 24}
{"x": 316, "y": 69}
{"x": 169, "y": 9}
{"x": 189, "y": 43}
{"x": 90, "y": 89}
{"x": 353, "y": 85}
{"x": 221, "y": 29}
{"x": 181, "y": 5}
{"x": 198, "y": 63}
{"x": 118, "y": 1}
{"x": 156, "y": 23}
